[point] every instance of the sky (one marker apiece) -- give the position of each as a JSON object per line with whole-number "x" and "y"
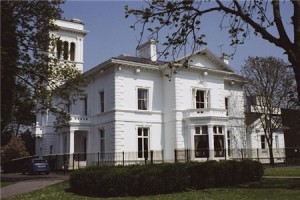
{"x": 110, "y": 34}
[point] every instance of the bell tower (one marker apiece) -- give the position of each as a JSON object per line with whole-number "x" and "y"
{"x": 69, "y": 46}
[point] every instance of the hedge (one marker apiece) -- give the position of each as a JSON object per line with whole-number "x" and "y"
{"x": 136, "y": 180}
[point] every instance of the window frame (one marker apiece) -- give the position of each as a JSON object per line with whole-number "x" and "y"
{"x": 227, "y": 99}
{"x": 143, "y": 99}
{"x": 218, "y": 133}
{"x": 72, "y": 51}
{"x": 143, "y": 152}
{"x": 206, "y": 98}
{"x": 201, "y": 135}
{"x": 102, "y": 143}
{"x": 101, "y": 101}
{"x": 263, "y": 142}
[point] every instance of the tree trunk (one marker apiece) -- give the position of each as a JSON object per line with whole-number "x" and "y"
{"x": 271, "y": 156}
{"x": 296, "y": 67}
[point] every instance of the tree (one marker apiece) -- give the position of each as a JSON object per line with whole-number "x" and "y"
{"x": 30, "y": 76}
{"x": 271, "y": 82}
{"x": 14, "y": 149}
{"x": 263, "y": 18}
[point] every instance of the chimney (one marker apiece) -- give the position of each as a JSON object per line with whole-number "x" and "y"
{"x": 225, "y": 58}
{"x": 148, "y": 50}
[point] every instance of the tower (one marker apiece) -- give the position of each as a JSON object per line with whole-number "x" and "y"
{"x": 69, "y": 46}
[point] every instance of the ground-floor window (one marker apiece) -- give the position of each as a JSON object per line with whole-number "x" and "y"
{"x": 143, "y": 142}
{"x": 229, "y": 142}
{"x": 263, "y": 142}
{"x": 102, "y": 143}
{"x": 218, "y": 141}
{"x": 201, "y": 142}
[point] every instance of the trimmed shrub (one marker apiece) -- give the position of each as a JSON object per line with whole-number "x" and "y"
{"x": 139, "y": 180}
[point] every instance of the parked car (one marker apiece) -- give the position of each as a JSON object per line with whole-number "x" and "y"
{"x": 36, "y": 166}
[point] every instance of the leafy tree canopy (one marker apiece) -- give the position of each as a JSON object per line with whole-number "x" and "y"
{"x": 183, "y": 19}
{"x": 271, "y": 87}
{"x": 30, "y": 76}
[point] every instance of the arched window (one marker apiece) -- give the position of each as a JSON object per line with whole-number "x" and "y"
{"x": 66, "y": 50}
{"x": 59, "y": 49}
{"x": 72, "y": 51}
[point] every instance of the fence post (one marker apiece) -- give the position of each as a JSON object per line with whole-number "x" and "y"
{"x": 78, "y": 160}
{"x": 151, "y": 156}
{"x": 64, "y": 163}
{"x": 257, "y": 153}
{"x": 146, "y": 156}
{"x": 242, "y": 154}
{"x": 123, "y": 154}
{"x": 73, "y": 160}
{"x": 175, "y": 154}
{"x": 98, "y": 159}
{"x": 187, "y": 155}
{"x": 56, "y": 162}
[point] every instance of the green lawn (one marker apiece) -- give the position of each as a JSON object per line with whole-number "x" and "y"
{"x": 282, "y": 171}
{"x": 3, "y": 184}
{"x": 266, "y": 189}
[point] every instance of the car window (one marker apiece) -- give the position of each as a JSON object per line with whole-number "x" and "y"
{"x": 40, "y": 161}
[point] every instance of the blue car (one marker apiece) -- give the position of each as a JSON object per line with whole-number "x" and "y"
{"x": 36, "y": 166}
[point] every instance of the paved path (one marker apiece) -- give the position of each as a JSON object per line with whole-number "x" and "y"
{"x": 28, "y": 183}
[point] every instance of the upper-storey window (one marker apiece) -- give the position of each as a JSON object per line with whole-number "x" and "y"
{"x": 84, "y": 105}
{"x": 72, "y": 51}
{"x": 143, "y": 99}
{"x": 226, "y": 105}
{"x": 59, "y": 49}
{"x": 101, "y": 102}
{"x": 66, "y": 50}
{"x": 201, "y": 99}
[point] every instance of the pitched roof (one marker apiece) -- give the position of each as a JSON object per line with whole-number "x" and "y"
{"x": 138, "y": 60}
{"x": 211, "y": 56}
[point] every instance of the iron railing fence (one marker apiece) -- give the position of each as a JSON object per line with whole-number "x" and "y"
{"x": 58, "y": 162}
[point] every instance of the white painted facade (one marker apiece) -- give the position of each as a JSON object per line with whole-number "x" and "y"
{"x": 131, "y": 105}
{"x": 257, "y": 147}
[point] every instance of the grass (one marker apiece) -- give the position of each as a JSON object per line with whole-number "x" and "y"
{"x": 3, "y": 184}
{"x": 266, "y": 189}
{"x": 282, "y": 171}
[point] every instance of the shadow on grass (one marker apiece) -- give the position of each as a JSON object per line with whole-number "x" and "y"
{"x": 289, "y": 183}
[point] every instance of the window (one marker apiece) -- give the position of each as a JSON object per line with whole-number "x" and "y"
{"x": 226, "y": 105}
{"x": 201, "y": 98}
{"x": 218, "y": 141}
{"x": 101, "y": 103}
{"x": 229, "y": 142}
{"x": 84, "y": 105}
{"x": 142, "y": 99}
{"x": 72, "y": 51}
{"x": 51, "y": 149}
{"x": 102, "y": 143}
{"x": 201, "y": 142}
{"x": 66, "y": 50}
{"x": 143, "y": 142}
{"x": 263, "y": 142}
{"x": 58, "y": 49}
{"x": 68, "y": 108}
{"x": 276, "y": 142}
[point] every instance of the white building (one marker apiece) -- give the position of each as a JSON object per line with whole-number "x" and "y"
{"x": 257, "y": 146}
{"x": 132, "y": 106}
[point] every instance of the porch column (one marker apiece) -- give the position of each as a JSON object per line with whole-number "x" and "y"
{"x": 211, "y": 142}
{"x": 71, "y": 140}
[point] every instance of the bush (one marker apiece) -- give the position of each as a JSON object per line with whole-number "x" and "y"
{"x": 139, "y": 180}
